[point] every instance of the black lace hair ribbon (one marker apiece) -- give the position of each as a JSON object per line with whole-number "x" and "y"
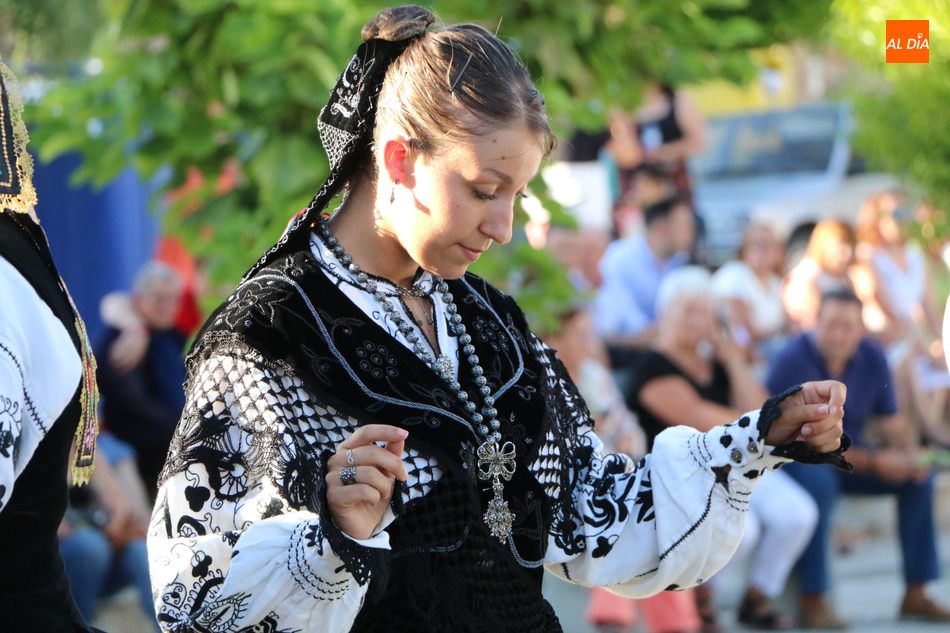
{"x": 346, "y": 124}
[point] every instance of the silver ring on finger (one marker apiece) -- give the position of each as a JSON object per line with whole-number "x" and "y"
{"x": 348, "y": 476}
{"x": 350, "y": 460}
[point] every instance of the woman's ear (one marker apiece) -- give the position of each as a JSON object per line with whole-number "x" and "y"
{"x": 397, "y": 159}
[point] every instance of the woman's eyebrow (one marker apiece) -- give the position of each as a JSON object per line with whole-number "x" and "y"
{"x": 505, "y": 177}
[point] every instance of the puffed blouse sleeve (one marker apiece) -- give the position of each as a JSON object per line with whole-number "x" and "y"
{"x": 240, "y": 537}
{"x": 40, "y": 371}
{"x": 670, "y": 520}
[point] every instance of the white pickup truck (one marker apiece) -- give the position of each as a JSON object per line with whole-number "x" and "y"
{"x": 791, "y": 168}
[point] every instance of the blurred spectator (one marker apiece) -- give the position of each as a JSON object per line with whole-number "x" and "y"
{"x": 580, "y": 252}
{"x": 142, "y": 403}
{"x": 649, "y": 184}
{"x": 826, "y": 266}
{"x": 171, "y": 251}
{"x": 666, "y": 612}
{"x": 935, "y": 239}
{"x": 586, "y": 362}
{"x": 624, "y": 311}
{"x": 670, "y": 129}
{"x": 904, "y": 314}
{"x": 657, "y": 139}
{"x": 751, "y": 291}
{"x": 102, "y": 537}
{"x": 116, "y": 308}
{"x": 838, "y": 349}
{"x": 697, "y": 376}
{"x": 946, "y": 331}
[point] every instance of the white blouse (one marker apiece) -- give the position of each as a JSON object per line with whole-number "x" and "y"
{"x": 40, "y": 371}
{"x": 736, "y": 280}
{"x": 685, "y": 504}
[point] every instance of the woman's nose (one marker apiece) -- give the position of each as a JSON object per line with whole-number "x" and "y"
{"x": 497, "y": 226}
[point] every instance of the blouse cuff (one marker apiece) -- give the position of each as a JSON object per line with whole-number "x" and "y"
{"x": 737, "y": 454}
{"x": 365, "y": 559}
{"x": 800, "y": 451}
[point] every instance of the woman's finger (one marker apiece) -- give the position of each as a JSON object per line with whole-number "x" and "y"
{"x": 829, "y": 446}
{"x": 396, "y": 447}
{"x": 374, "y": 433}
{"x": 838, "y": 393}
{"x": 366, "y": 475}
{"x": 830, "y": 392}
{"x": 826, "y": 437}
{"x": 813, "y": 427}
{"x": 348, "y": 496}
{"x": 806, "y": 413}
{"x": 369, "y": 455}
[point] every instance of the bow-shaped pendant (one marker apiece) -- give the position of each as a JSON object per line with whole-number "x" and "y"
{"x": 496, "y": 463}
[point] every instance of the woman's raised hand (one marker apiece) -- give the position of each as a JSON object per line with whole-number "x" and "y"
{"x": 813, "y": 414}
{"x": 361, "y": 475}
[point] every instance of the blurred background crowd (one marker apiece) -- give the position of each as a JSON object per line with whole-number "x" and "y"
{"x": 745, "y": 197}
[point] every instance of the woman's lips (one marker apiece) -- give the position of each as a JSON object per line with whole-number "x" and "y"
{"x": 470, "y": 254}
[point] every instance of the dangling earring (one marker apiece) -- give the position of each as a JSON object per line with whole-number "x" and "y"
{"x": 392, "y": 193}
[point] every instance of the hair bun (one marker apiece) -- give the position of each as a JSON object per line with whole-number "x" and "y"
{"x": 396, "y": 24}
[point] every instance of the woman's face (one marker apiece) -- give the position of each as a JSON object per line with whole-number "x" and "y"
{"x": 890, "y": 229}
{"x": 453, "y": 204}
{"x": 762, "y": 250}
{"x": 690, "y": 319}
{"x": 838, "y": 257}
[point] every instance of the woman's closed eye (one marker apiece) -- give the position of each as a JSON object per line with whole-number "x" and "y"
{"x": 481, "y": 195}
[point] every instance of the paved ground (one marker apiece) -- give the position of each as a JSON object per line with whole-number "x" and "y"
{"x": 867, "y": 592}
{"x": 867, "y": 581}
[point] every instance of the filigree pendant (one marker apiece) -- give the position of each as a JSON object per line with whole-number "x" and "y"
{"x": 496, "y": 463}
{"x": 444, "y": 366}
{"x": 498, "y": 517}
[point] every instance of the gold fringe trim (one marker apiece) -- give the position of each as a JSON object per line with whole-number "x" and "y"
{"x": 84, "y": 440}
{"x": 25, "y": 200}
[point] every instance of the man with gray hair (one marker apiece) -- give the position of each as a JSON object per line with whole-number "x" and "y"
{"x": 142, "y": 404}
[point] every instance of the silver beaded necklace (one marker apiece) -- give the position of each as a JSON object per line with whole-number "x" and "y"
{"x": 496, "y": 460}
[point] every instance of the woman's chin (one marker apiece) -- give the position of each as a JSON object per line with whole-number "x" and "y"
{"x": 446, "y": 270}
{"x": 451, "y": 272}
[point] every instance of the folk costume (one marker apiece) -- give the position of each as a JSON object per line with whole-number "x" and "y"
{"x": 47, "y": 398}
{"x": 506, "y": 477}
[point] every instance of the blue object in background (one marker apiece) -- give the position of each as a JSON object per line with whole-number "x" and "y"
{"x": 99, "y": 237}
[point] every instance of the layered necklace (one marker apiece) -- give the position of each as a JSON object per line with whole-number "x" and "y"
{"x": 496, "y": 460}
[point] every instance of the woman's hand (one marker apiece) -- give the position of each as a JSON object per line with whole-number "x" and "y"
{"x": 813, "y": 415}
{"x": 357, "y": 507}
{"x": 897, "y": 467}
{"x": 727, "y": 350}
{"x": 129, "y": 348}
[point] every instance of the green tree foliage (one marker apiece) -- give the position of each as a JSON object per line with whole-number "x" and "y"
{"x": 902, "y": 111}
{"x": 48, "y": 31}
{"x": 189, "y": 85}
